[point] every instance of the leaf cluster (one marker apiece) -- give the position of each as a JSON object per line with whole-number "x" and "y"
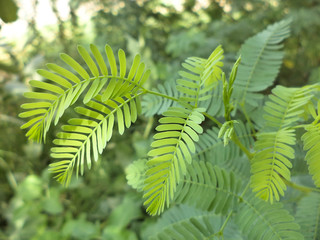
{"x": 188, "y": 164}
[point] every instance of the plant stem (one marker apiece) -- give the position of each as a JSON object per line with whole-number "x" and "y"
{"x": 245, "y": 190}
{"x": 176, "y": 100}
{"x": 236, "y": 140}
{"x": 225, "y": 222}
{"x": 230, "y": 213}
{"x": 162, "y": 95}
{"x": 300, "y": 187}
{"x": 213, "y": 119}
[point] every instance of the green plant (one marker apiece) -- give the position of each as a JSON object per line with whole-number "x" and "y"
{"x": 189, "y": 163}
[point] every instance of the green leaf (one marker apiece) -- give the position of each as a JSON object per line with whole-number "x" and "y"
{"x": 90, "y": 63}
{"x": 134, "y": 67}
{"x": 112, "y": 60}
{"x": 261, "y": 58}
{"x": 92, "y": 90}
{"x": 270, "y": 164}
{"x": 46, "y": 86}
{"x": 8, "y": 11}
{"x": 308, "y": 215}
{"x": 99, "y": 59}
{"x": 209, "y": 188}
{"x": 122, "y": 61}
{"x": 170, "y": 155}
{"x": 62, "y": 71}
{"x": 311, "y": 140}
{"x": 83, "y": 139}
{"x": 260, "y": 220}
{"x": 75, "y": 65}
{"x": 200, "y": 78}
{"x": 183, "y": 222}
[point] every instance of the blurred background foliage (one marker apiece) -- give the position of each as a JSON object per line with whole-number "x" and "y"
{"x": 101, "y": 205}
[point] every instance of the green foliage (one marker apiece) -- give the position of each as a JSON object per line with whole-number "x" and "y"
{"x": 228, "y": 90}
{"x": 310, "y": 141}
{"x": 119, "y": 99}
{"x": 308, "y": 215}
{"x": 214, "y": 105}
{"x": 121, "y": 217}
{"x": 270, "y": 221}
{"x": 188, "y": 163}
{"x": 227, "y": 131}
{"x": 69, "y": 87}
{"x": 286, "y": 106}
{"x": 261, "y": 58}
{"x": 178, "y": 131}
{"x": 156, "y": 105}
{"x": 209, "y": 188}
{"x": 199, "y": 77}
{"x": 271, "y": 162}
{"x": 135, "y": 174}
{"x": 185, "y": 222}
{"x": 270, "y": 165}
{"x": 172, "y": 148}
{"x": 84, "y": 137}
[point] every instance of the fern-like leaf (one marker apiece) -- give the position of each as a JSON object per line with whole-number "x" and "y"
{"x": 135, "y": 174}
{"x": 183, "y": 222}
{"x": 260, "y": 220}
{"x": 200, "y": 77}
{"x": 286, "y": 105}
{"x": 172, "y": 149}
{"x": 311, "y": 144}
{"x": 86, "y": 137}
{"x": 270, "y": 165}
{"x": 209, "y": 188}
{"x": 261, "y": 60}
{"x": 65, "y": 87}
{"x": 308, "y": 216}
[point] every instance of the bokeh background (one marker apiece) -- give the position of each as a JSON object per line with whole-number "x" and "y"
{"x": 101, "y": 205}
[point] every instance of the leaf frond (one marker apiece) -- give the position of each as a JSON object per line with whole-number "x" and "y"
{"x": 183, "y": 222}
{"x": 270, "y": 164}
{"x": 311, "y": 144}
{"x": 171, "y": 153}
{"x": 286, "y": 105}
{"x": 83, "y": 139}
{"x": 258, "y": 219}
{"x": 308, "y": 216}
{"x": 209, "y": 188}
{"x": 261, "y": 58}
{"x": 200, "y": 77}
{"x": 135, "y": 174}
{"x": 65, "y": 87}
